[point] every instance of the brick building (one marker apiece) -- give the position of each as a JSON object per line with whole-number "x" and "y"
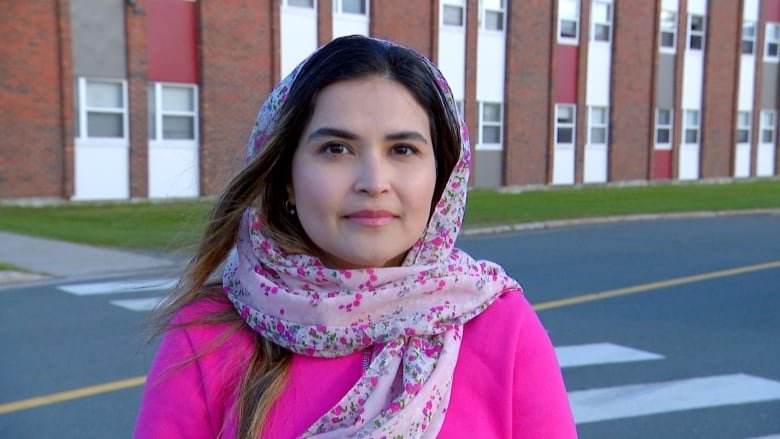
{"x": 116, "y": 99}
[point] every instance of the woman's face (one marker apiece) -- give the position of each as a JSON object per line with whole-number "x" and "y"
{"x": 364, "y": 172}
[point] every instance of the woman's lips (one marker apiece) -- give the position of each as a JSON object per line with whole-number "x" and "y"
{"x": 371, "y": 218}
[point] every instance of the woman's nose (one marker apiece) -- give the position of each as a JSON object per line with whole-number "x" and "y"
{"x": 373, "y": 175}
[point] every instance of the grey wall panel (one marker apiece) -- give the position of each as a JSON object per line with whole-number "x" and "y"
{"x": 98, "y": 28}
{"x": 665, "y": 89}
{"x": 489, "y": 169}
{"x": 769, "y": 86}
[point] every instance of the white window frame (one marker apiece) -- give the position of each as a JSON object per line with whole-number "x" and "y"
{"x": 673, "y": 31}
{"x": 159, "y": 112}
{"x": 483, "y": 10}
{"x": 338, "y": 8}
{"x": 595, "y": 24}
{"x": 747, "y": 38}
{"x": 459, "y": 4}
{"x": 598, "y": 126}
{"x": 693, "y": 128}
{"x": 744, "y": 126}
{"x": 490, "y": 123}
{"x": 664, "y": 126}
{"x": 772, "y": 28}
{"x": 768, "y": 126}
{"x": 286, "y": 4}
{"x": 576, "y": 19}
{"x": 84, "y": 109}
{"x": 697, "y": 33}
{"x": 562, "y": 125}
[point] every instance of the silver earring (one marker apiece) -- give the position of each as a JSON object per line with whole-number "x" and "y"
{"x": 290, "y": 208}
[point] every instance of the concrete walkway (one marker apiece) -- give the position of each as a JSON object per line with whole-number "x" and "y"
{"x": 47, "y": 257}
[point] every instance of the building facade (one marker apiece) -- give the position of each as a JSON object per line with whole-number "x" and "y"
{"x": 118, "y": 99}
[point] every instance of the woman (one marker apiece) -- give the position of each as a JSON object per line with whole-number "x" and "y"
{"x": 345, "y": 309}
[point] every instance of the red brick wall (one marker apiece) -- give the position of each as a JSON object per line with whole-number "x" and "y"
{"x": 66, "y": 99}
{"x": 721, "y": 67}
{"x": 137, "y": 91}
{"x": 470, "y": 92}
{"x": 406, "y": 22}
{"x": 31, "y": 149}
{"x": 633, "y": 52}
{"x": 528, "y": 98}
{"x": 238, "y": 69}
{"x": 682, "y": 41}
{"x": 324, "y": 22}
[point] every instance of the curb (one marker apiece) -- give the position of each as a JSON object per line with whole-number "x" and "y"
{"x": 552, "y": 224}
{"x": 9, "y": 277}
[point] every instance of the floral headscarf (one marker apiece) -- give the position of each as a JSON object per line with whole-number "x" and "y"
{"x": 411, "y": 316}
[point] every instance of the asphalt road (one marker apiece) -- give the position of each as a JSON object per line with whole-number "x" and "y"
{"x": 697, "y": 357}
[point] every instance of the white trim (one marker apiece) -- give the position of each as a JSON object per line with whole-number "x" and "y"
{"x": 338, "y": 10}
{"x": 697, "y": 33}
{"x": 608, "y": 23}
{"x": 776, "y": 41}
{"x": 695, "y": 127}
{"x": 673, "y": 31}
{"x": 482, "y": 21}
{"x": 84, "y": 109}
{"x": 770, "y": 127}
{"x": 159, "y": 113}
{"x": 751, "y": 39}
{"x": 285, "y": 5}
{"x": 572, "y": 124}
{"x": 455, "y": 4}
{"x": 575, "y": 40}
{"x": 744, "y": 126}
{"x": 669, "y": 126}
{"x": 483, "y": 124}
{"x": 604, "y": 125}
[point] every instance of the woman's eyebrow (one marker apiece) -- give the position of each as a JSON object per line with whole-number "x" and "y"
{"x": 407, "y": 135}
{"x": 344, "y": 134}
{"x": 331, "y": 132}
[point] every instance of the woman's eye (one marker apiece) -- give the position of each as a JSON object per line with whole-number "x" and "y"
{"x": 404, "y": 149}
{"x": 335, "y": 148}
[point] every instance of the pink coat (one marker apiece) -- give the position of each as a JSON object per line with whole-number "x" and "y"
{"x": 507, "y": 381}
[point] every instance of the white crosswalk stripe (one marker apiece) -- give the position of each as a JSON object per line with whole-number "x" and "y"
{"x": 670, "y": 396}
{"x": 139, "y": 304}
{"x": 135, "y": 286}
{"x": 600, "y": 353}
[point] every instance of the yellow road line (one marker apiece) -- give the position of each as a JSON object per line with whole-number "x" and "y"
{"x": 139, "y": 381}
{"x": 71, "y": 394}
{"x": 654, "y": 286}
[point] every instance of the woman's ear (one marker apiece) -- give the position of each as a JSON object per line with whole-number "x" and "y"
{"x": 290, "y": 194}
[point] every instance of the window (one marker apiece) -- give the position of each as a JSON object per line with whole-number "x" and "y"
{"x": 173, "y": 112}
{"x": 663, "y": 127}
{"x": 601, "y": 17}
{"x": 696, "y": 32}
{"x": 490, "y": 122}
{"x": 668, "y": 31}
{"x": 691, "y": 126}
{"x": 771, "y": 52}
{"x": 564, "y": 123}
{"x": 568, "y": 21}
{"x": 748, "y": 37}
{"x": 768, "y": 122}
{"x": 452, "y": 15}
{"x": 743, "y": 127}
{"x": 102, "y": 108}
{"x": 493, "y": 14}
{"x": 598, "y": 117}
{"x": 309, "y": 4}
{"x": 358, "y": 7}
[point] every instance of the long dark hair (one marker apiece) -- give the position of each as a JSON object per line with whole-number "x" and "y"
{"x": 262, "y": 184}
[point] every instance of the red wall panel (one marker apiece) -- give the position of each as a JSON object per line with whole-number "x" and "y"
{"x": 662, "y": 169}
{"x": 772, "y": 10}
{"x": 170, "y": 29}
{"x": 566, "y": 74}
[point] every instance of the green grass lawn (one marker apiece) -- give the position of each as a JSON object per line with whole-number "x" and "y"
{"x": 11, "y": 267}
{"x": 172, "y": 226}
